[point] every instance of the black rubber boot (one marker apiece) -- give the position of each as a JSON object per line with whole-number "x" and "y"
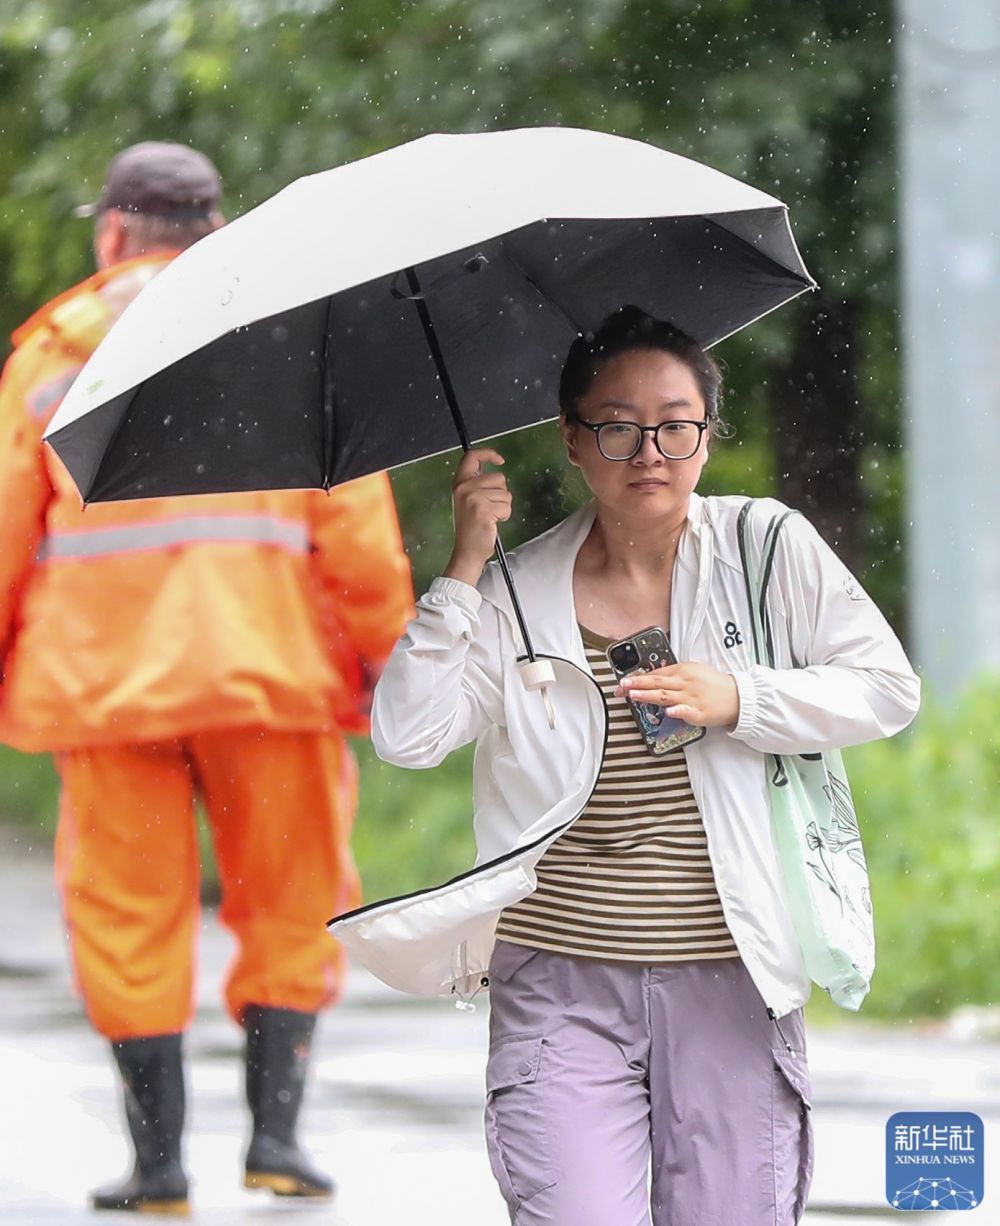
{"x": 153, "y": 1081}
{"x": 278, "y": 1044}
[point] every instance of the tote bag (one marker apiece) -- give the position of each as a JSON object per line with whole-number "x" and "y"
{"x": 815, "y": 825}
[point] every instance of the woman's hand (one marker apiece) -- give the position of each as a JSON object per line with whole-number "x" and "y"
{"x": 481, "y": 501}
{"x": 692, "y": 692}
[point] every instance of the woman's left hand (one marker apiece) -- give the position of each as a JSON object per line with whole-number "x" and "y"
{"x": 692, "y": 692}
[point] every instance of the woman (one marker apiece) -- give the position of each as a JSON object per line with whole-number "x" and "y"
{"x": 646, "y": 986}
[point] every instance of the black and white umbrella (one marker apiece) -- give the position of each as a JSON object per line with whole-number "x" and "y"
{"x": 384, "y": 311}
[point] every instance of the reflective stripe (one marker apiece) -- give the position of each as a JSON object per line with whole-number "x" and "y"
{"x": 169, "y": 533}
{"x": 47, "y": 396}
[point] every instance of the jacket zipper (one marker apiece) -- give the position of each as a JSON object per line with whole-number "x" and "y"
{"x": 773, "y": 1016}
{"x": 706, "y": 564}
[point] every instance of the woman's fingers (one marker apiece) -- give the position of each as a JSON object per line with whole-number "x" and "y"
{"x": 489, "y": 512}
{"x": 656, "y": 697}
{"x": 502, "y": 507}
{"x": 481, "y": 501}
{"x": 693, "y": 692}
{"x": 485, "y": 481}
{"x": 471, "y": 464}
{"x": 471, "y": 498}
{"x": 660, "y": 681}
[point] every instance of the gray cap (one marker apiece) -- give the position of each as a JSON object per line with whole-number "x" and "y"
{"x": 162, "y": 178}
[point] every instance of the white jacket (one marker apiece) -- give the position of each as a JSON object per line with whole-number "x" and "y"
{"x": 452, "y": 678}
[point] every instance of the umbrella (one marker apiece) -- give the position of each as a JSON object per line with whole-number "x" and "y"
{"x": 364, "y": 316}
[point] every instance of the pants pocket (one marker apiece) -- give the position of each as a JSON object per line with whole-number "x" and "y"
{"x": 508, "y": 958}
{"x": 517, "y": 1134}
{"x": 792, "y": 1134}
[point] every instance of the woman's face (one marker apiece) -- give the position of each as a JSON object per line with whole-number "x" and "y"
{"x": 647, "y": 387}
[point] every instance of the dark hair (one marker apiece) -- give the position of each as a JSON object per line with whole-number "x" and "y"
{"x": 624, "y": 331}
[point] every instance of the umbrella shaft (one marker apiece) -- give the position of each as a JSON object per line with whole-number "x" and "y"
{"x": 417, "y": 297}
{"x": 509, "y": 580}
{"x": 442, "y": 369}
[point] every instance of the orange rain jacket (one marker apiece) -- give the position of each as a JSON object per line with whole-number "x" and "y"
{"x": 139, "y": 621}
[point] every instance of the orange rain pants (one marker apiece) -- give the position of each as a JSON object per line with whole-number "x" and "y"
{"x": 280, "y": 807}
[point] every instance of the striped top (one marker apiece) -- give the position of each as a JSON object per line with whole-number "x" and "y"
{"x": 631, "y": 879}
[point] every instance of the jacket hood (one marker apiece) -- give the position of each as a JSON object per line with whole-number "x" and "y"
{"x": 81, "y": 317}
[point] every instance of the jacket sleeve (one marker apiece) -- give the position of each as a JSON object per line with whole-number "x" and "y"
{"x": 442, "y": 686}
{"x": 852, "y": 681}
{"x": 25, "y": 492}
{"x": 361, "y": 564}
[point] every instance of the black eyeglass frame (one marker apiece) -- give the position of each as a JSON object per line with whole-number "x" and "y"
{"x": 597, "y": 427}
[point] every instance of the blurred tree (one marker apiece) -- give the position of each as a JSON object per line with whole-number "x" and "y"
{"x": 793, "y": 95}
{"x": 796, "y": 97}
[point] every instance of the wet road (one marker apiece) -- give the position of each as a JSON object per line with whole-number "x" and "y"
{"x": 395, "y": 1105}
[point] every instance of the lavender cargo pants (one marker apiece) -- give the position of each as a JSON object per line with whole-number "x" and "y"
{"x": 604, "y": 1074}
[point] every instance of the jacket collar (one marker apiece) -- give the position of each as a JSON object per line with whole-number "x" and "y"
{"x": 58, "y": 314}
{"x": 543, "y": 575}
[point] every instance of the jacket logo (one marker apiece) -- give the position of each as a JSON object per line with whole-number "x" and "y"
{"x": 733, "y": 637}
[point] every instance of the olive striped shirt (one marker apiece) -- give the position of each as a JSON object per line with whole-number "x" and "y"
{"x": 631, "y": 879}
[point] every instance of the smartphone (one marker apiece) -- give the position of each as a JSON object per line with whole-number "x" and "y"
{"x": 642, "y": 653}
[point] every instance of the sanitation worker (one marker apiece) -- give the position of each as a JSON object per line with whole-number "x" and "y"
{"x": 169, "y": 650}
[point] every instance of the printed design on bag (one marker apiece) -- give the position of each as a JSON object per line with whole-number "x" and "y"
{"x": 841, "y": 835}
{"x": 845, "y": 819}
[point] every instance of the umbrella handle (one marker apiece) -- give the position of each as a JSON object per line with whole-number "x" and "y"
{"x": 539, "y": 675}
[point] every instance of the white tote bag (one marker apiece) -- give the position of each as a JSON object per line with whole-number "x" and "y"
{"x": 815, "y": 826}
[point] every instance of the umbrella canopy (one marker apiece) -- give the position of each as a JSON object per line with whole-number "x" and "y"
{"x": 290, "y": 349}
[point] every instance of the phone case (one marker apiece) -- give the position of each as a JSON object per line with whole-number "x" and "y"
{"x": 643, "y": 652}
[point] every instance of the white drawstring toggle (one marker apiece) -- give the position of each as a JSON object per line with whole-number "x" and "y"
{"x": 539, "y": 675}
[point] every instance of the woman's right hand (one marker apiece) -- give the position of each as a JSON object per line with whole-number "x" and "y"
{"x": 481, "y": 501}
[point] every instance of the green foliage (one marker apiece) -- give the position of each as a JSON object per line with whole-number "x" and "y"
{"x": 928, "y": 807}
{"x": 795, "y": 97}
{"x": 29, "y": 791}
{"x": 414, "y": 828}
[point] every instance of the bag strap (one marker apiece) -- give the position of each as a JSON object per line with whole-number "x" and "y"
{"x": 758, "y": 566}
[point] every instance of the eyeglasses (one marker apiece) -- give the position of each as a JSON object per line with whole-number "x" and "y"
{"x": 621, "y": 440}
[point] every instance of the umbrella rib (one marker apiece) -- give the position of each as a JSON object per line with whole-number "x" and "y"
{"x": 328, "y": 413}
{"x": 115, "y": 435}
{"x": 803, "y": 276}
{"x": 574, "y": 324}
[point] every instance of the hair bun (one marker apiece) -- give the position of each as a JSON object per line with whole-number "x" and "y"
{"x": 631, "y": 328}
